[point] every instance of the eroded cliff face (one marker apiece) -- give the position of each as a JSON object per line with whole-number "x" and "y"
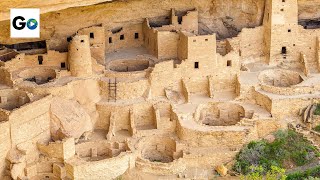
{"x": 226, "y": 18}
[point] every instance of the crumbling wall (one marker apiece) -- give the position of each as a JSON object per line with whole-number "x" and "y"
{"x": 30, "y": 124}
{"x": 144, "y": 116}
{"x": 150, "y": 38}
{"x": 263, "y": 100}
{"x": 5, "y": 77}
{"x": 96, "y": 170}
{"x": 185, "y": 21}
{"x": 164, "y": 76}
{"x": 62, "y": 150}
{"x": 281, "y": 110}
{"x": 51, "y": 58}
{"x": 120, "y": 113}
{"x": 223, "y": 138}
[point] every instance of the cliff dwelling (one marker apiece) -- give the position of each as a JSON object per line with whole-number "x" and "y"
{"x": 166, "y": 91}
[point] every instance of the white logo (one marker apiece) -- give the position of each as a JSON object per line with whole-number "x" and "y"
{"x": 25, "y": 23}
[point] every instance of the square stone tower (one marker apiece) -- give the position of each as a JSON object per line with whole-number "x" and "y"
{"x": 281, "y": 31}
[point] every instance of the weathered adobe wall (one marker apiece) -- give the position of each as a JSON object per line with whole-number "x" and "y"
{"x": 164, "y": 76}
{"x": 150, "y": 38}
{"x": 223, "y": 138}
{"x": 30, "y": 124}
{"x": 126, "y": 89}
{"x": 125, "y": 38}
{"x": 97, "y": 41}
{"x": 96, "y": 170}
{"x": 12, "y": 99}
{"x": 281, "y": 110}
{"x": 120, "y": 114}
{"x": 226, "y": 72}
{"x": 144, "y": 115}
{"x": 167, "y": 44}
{"x": 293, "y": 90}
{"x": 263, "y": 100}
{"x": 79, "y": 56}
{"x": 61, "y": 149}
{"x": 251, "y": 42}
{"x": 5, "y": 77}
{"x": 282, "y": 22}
{"x": 189, "y": 21}
{"x": 51, "y": 58}
{"x": 5, "y": 145}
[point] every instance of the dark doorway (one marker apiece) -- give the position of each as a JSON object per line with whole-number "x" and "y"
{"x": 110, "y": 40}
{"x": 136, "y": 35}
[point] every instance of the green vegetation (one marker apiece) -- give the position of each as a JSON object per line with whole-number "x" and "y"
{"x": 288, "y": 148}
{"x": 310, "y": 174}
{"x": 317, "y": 128}
{"x": 275, "y": 173}
{"x": 317, "y": 111}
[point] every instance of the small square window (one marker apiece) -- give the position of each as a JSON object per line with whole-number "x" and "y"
{"x": 283, "y": 0}
{"x": 229, "y": 63}
{"x": 82, "y": 40}
{"x": 122, "y": 37}
{"x": 196, "y": 65}
{"x": 91, "y": 35}
{"x": 136, "y": 35}
{"x": 63, "y": 65}
{"x": 289, "y": 30}
{"x": 206, "y": 39}
{"x": 194, "y": 40}
{"x": 110, "y": 40}
{"x": 281, "y": 9}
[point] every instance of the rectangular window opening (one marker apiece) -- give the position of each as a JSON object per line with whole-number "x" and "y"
{"x": 63, "y": 65}
{"x": 91, "y": 35}
{"x": 229, "y": 63}
{"x": 136, "y": 35}
{"x": 196, "y": 65}
{"x": 122, "y": 37}
{"x": 40, "y": 60}
{"x": 284, "y": 50}
{"x": 110, "y": 40}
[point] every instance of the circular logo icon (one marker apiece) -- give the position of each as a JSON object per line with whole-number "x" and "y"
{"x": 32, "y": 24}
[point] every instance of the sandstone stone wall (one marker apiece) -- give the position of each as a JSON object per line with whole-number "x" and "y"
{"x": 97, "y": 41}
{"x": 79, "y": 56}
{"x": 5, "y": 145}
{"x": 124, "y": 37}
{"x": 96, "y": 170}
{"x": 51, "y": 58}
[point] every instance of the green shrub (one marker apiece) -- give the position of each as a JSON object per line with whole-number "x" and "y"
{"x": 317, "y": 111}
{"x": 256, "y": 173}
{"x": 317, "y": 128}
{"x": 287, "y": 146}
{"x": 307, "y": 174}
